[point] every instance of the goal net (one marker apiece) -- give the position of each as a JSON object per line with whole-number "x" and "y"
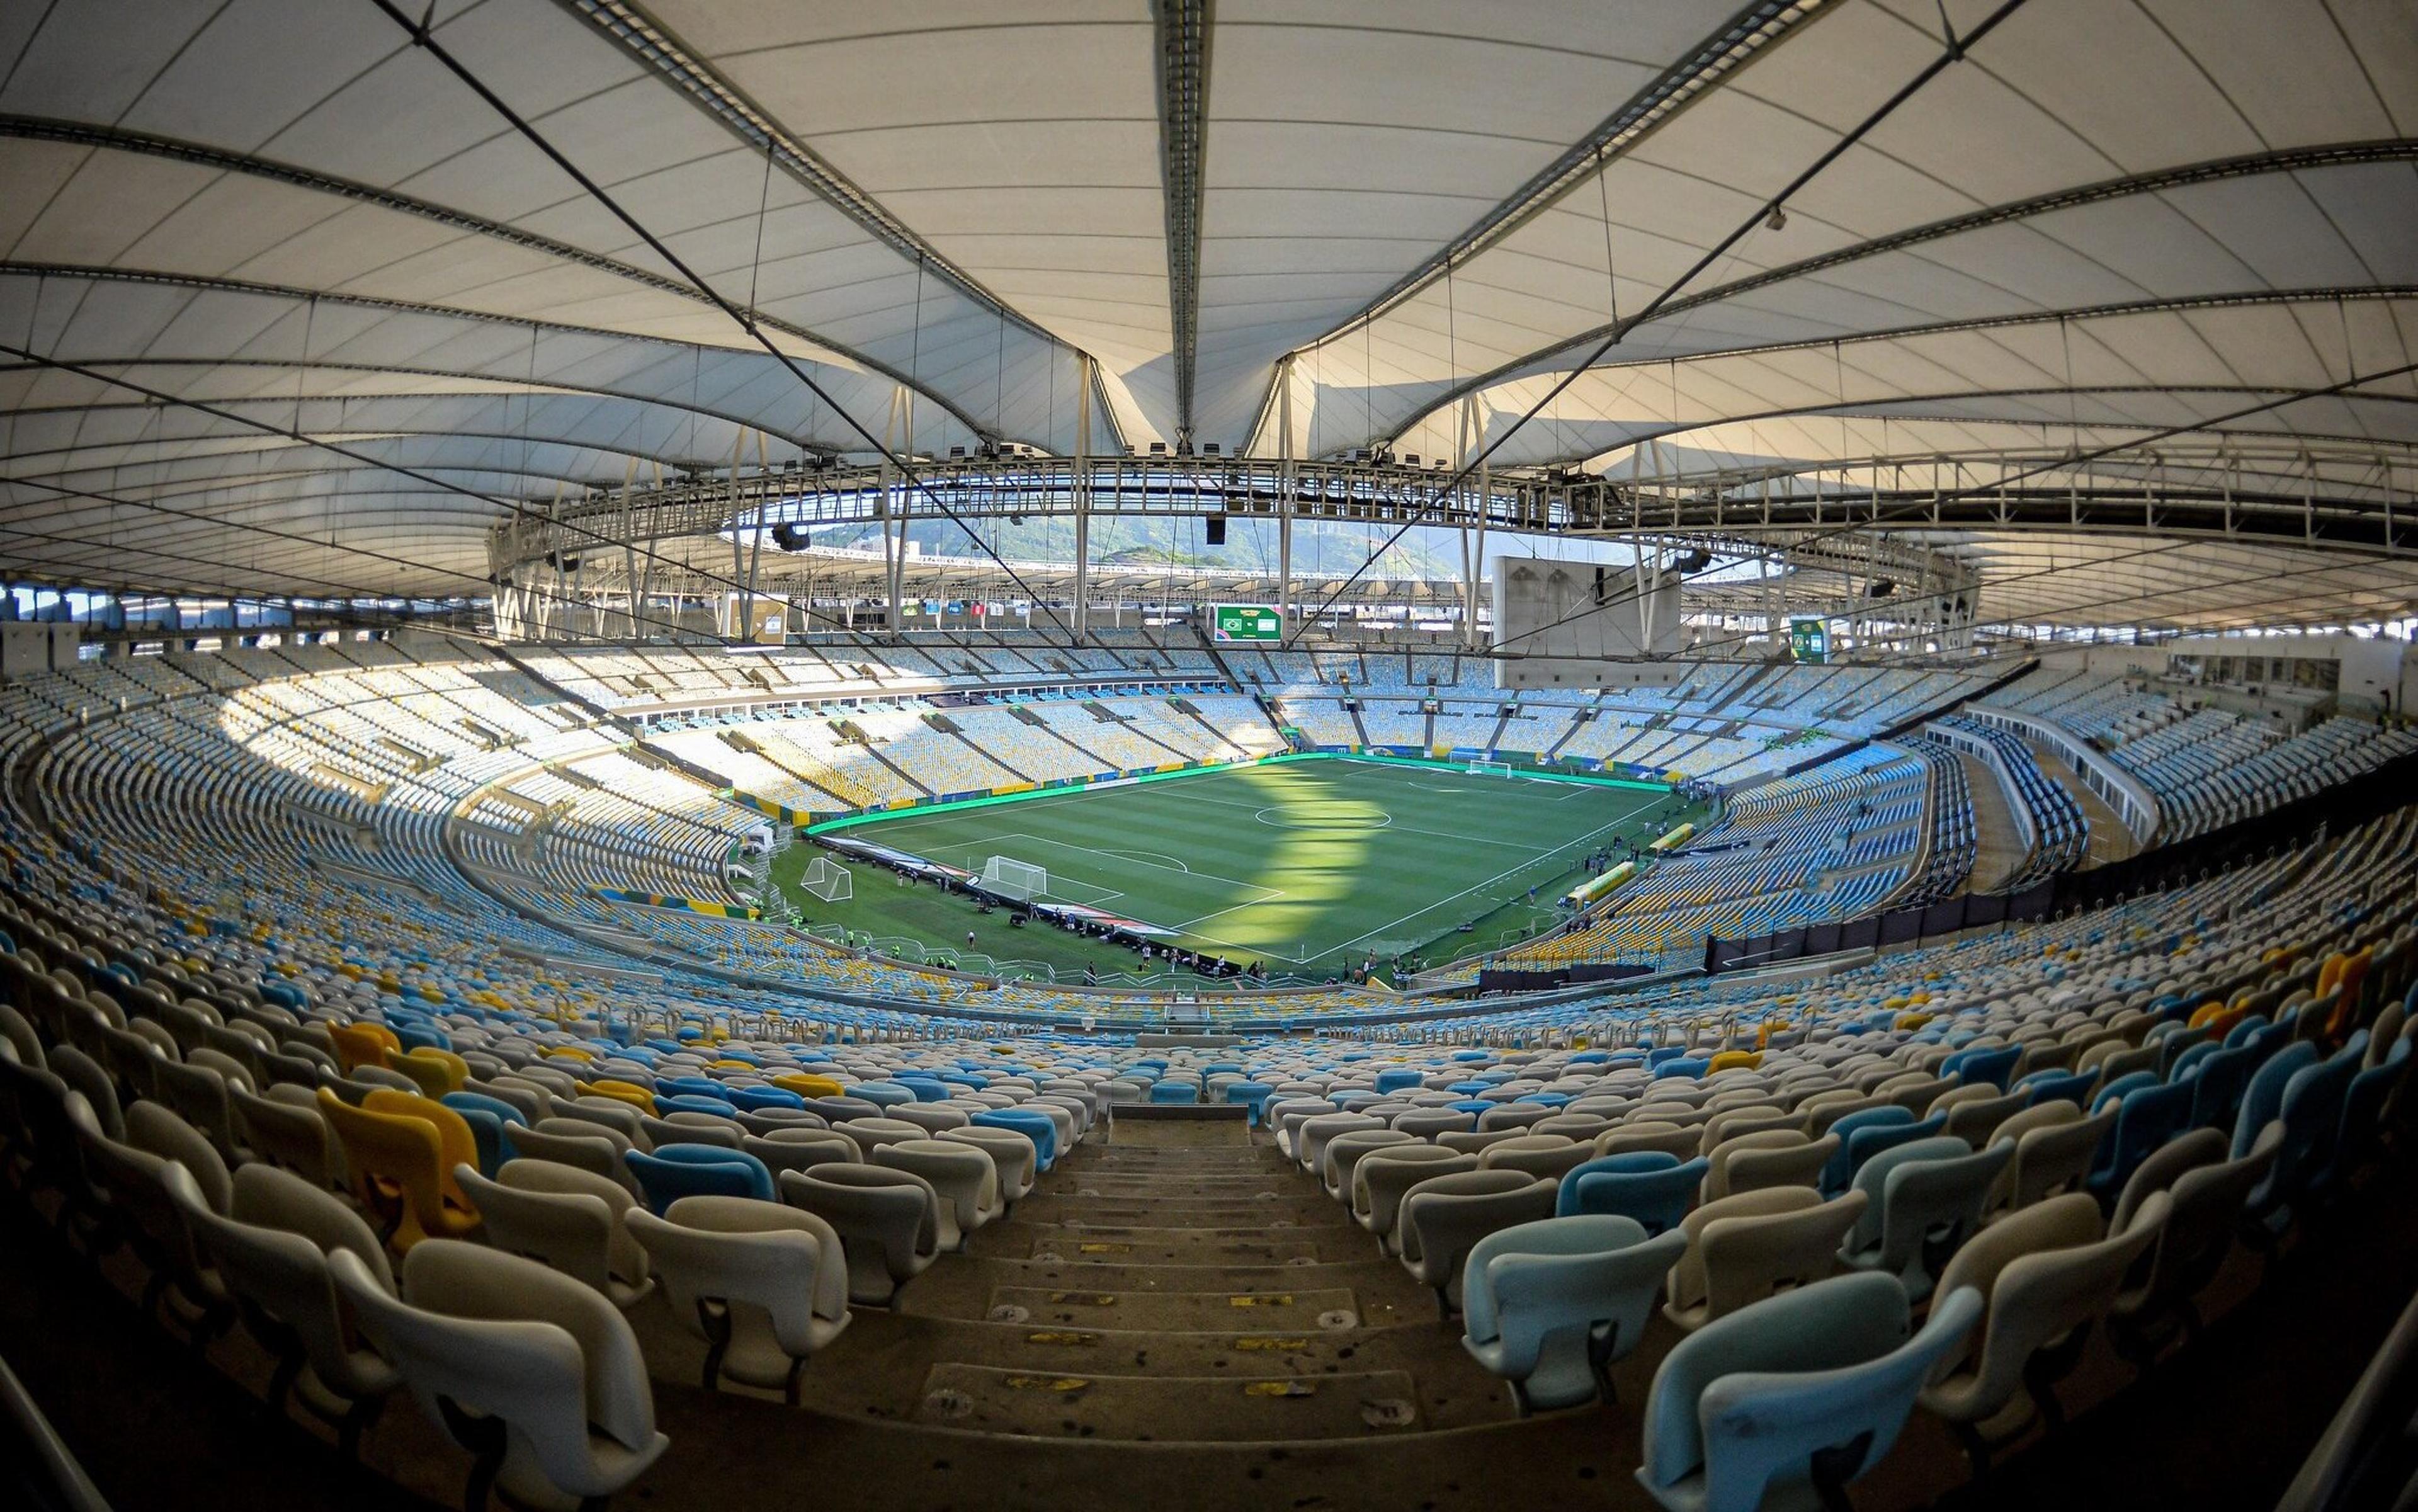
{"x": 828, "y": 880}
{"x": 1012, "y": 878}
{"x": 1490, "y": 769}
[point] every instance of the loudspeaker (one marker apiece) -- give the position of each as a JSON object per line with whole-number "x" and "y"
{"x": 1215, "y": 527}
{"x": 1693, "y": 562}
{"x": 791, "y": 537}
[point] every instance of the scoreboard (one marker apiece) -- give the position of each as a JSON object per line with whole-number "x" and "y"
{"x": 1809, "y": 641}
{"x": 1246, "y": 622}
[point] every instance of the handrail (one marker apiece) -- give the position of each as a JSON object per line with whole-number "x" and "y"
{"x": 47, "y": 1471}
{"x": 2361, "y": 1460}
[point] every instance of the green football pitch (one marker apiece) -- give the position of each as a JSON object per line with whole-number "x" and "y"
{"x": 1310, "y": 865}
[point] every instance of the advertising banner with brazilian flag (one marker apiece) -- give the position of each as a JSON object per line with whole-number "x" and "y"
{"x": 1245, "y": 623}
{"x": 700, "y": 907}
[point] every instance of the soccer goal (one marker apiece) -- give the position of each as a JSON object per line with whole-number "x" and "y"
{"x": 1013, "y": 878}
{"x": 1490, "y": 769}
{"x": 828, "y": 880}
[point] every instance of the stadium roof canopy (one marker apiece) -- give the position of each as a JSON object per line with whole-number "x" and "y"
{"x": 298, "y": 298}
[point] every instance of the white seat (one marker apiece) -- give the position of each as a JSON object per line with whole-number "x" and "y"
{"x": 1381, "y": 1176}
{"x": 1551, "y": 1305}
{"x": 888, "y": 1222}
{"x": 1442, "y": 1217}
{"x": 564, "y": 1217}
{"x": 271, "y": 1251}
{"x": 1011, "y": 1155}
{"x": 765, "y": 1285}
{"x": 963, "y": 1177}
{"x": 533, "y": 1372}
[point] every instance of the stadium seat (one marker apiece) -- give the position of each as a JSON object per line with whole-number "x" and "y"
{"x": 1742, "y": 1248}
{"x": 673, "y": 1172}
{"x": 763, "y": 1283}
{"x": 533, "y": 1373}
{"x": 1443, "y": 1216}
{"x": 1551, "y": 1305}
{"x": 270, "y": 1250}
{"x": 2046, "y": 1274}
{"x": 1382, "y": 1175}
{"x": 1926, "y": 1197}
{"x": 1788, "y": 1401}
{"x": 888, "y": 1223}
{"x": 569, "y": 1219}
{"x": 962, "y": 1176}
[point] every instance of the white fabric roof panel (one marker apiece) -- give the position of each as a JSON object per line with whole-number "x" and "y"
{"x": 972, "y": 195}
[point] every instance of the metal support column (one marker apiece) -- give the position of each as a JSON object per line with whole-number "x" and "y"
{"x": 899, "y": 436}
{"x": 1079, "y": 491}
{"x": 1285, "y": 494}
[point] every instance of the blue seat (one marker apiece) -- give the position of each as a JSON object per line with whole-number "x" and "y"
{"x": 2311, "y": 1109}
{"x": 1871, "y": 1140}
{"x": 2243, "y": 1032}
{"x": 2146, "y": 1119}
{"x": 1256, "y": 1093}
{"x": 2059, "y": 1086}
{"x": 1650, "y": 1186}
{"x": 1993, "y": 1066}
{"x": 705, "y": 1087}
{"x": 1693, "y": 1067}
{"x": 2262, "y": 1100}
{"x": 679, "y": 1170}
{"x": 2195, "y": 1054}
{"x": 1037, "y": 1127}
{"x": 2122, "y": 1086}
{"x": 1791, "y": 1398}
{"x": 2217, "y": 1079}
{"x": 420, "y": 1034}
{"x": 1398, "y": 1080}
{"x": 883, "y": 1093}
{"x": 1176, "y": 1089}
{"x": 2362, "y": 1133}
{"x": 1840, "y": 1169}
{"x": 486, "y": 1117}
{"x": 761, "y": 1099}
{"x": 1552, "y": 1303}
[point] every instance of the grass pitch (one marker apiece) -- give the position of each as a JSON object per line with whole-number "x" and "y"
{"x": 1310, "y": 866}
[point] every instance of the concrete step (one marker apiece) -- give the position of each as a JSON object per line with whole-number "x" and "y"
{"x": 1312, "y": 1309}
{"x": 1198, "y": 1409}
{"x": 961, "y": 1286}
{"x": 1138, "y": 1186}
{"x": 1164, "y": 1246}
{"x": 1266, "y": 1208}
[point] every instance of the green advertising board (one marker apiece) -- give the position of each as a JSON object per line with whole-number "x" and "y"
{"x": 1809, "y": 641}
{"x": 1246, "y": 622}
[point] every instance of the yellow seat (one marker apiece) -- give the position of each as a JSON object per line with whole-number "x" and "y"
{"x": 361, "y": 1044}
{"x": 1734, "y": 1060}
{"x": 569, "y": 1052}
{"x": 623, "y": 1091}
{"x": 437, "y": 1071}
{"x": 400, "y": 1157}
{"x": 808, "y": 1086}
